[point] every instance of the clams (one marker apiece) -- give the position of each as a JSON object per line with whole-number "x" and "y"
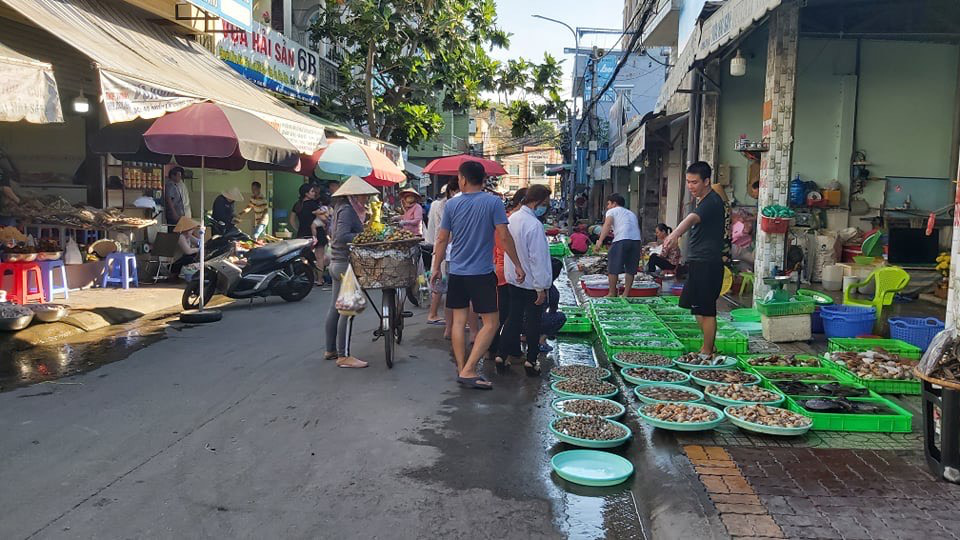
{"x": 589, "y": 427}
{"x": 770, "y": 416}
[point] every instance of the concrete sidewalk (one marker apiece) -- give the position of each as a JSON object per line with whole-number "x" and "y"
{"x": 94, "y": 309}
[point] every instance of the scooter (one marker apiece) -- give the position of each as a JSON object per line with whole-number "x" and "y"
{"x": 284, "y": 269}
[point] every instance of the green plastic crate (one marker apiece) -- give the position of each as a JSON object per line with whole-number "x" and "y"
{"x": 880, "y": 386}
{"x": 816, "y": 374}
{"x": 577, "y": 325}
{"x": 894, "y": 346}
{"x": 670, "y": 299}
{"x": 678, "y": 319}
{"x": 725, "y": 344}
{"x": 643, "y": 300}
{"x": 669, "y": 309}
{"x": 899, "y": 422}
{"x": 560, "y": 250}
{"x": 608, "y": 336}
{"x": 669, "y": 347}
{"x": 632, "y": 325}
{"x": 745, "y": 357}
{"x": 780, "y": 309}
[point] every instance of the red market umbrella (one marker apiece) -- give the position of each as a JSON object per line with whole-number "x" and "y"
{"x": 220, "y": 137}
{"x": 450, "y": 165}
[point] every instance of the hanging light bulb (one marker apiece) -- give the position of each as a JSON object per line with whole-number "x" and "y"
{"x": 81, "y": 105}
{"x": 738, "y": 65}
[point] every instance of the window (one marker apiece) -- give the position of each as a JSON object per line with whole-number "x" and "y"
{"x": 537, "y": 170}
{"x": 513, "y": 187}
{"x": 513, "y": 169}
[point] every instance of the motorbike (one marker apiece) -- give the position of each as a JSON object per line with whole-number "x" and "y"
{"x": 283, "y": 269}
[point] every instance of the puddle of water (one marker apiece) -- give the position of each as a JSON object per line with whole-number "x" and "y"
{"x": 47, "y": 363}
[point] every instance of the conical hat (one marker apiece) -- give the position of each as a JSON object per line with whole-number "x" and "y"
{"x": 185, "y": 224}
{"x": 413, "y": 192}
{"x": 233, "y": 194}
{"x": 355, "y": 186}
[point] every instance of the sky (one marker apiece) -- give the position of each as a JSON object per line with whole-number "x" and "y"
{"x": 532, "y": 37}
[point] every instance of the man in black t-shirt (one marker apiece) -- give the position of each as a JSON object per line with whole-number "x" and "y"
{"x": 707, "y": 225}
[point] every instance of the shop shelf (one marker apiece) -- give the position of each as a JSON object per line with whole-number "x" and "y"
{"x": 894, "y": 346}
{"x": 898, "y": 422}
{"x": 780, "y": 309}
{"x": 880, "y": 386}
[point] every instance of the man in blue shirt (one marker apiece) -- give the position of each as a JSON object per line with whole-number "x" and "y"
{"x": 469, "y": 223}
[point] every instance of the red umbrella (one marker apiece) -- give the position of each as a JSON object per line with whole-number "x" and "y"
{"x": 221, "y": 137}
{"x": 450, "y": 165}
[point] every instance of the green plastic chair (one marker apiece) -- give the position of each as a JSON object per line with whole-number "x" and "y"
{"x": 888, "y": 281}
{"x": 746, "y": 278}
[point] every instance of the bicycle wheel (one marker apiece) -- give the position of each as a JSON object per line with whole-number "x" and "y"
{"x": 388, "y": 314}
{"x": 398, "y": 313}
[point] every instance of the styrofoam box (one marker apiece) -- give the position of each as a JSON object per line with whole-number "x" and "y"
{"x": 787, "y": 328}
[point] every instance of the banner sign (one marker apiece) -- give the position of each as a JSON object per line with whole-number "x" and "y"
{"x": 271, "y": 60}
{"x": 28, "y": 92}
{"x": 239, "y": 13}
{"x": 126, "y": 98}
{"x": 604, "y": 68}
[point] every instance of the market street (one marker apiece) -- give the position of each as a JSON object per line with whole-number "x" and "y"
{"x": 238, "y": 429}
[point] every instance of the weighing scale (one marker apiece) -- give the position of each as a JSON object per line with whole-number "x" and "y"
{"x": 777, "y": 293}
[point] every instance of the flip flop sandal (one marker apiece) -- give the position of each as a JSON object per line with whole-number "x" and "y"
{"x": 438, "y": 322}
{"x": 475, "y": 383}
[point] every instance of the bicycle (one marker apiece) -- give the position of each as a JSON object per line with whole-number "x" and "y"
{"x": 390, "y": 267}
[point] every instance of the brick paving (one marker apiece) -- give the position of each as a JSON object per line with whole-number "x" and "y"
{"x": 853, "y": 494}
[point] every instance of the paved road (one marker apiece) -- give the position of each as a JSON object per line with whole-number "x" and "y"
{"x": 241, "y": 430}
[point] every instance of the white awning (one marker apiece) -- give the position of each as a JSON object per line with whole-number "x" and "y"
{"x": 722, "y": 27}
{"x": 413, "y": 168}
{"x": 146, "y": 71}
{"x": 28, "y": 90}
{"x": 619, "y": 156}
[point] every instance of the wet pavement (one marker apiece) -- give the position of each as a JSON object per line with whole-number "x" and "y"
{"x": 239, "y": 429}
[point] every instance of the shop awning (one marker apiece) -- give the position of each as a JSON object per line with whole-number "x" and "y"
{"x": 413, "y": 169}
{"x": 553, "y": 170}
{"x": 722, "y": 27}
{"x": 146, "y": 71}
{"x": 637, "y": 142}
{"x": 28, "y": 90}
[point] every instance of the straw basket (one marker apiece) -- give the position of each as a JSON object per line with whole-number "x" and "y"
{"x": 386, "y": 265}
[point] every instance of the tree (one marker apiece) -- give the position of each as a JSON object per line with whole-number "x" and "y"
{"x": 405, "y": 61}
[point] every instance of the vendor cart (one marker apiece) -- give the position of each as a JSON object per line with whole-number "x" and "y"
{"x": 391, "y": 267}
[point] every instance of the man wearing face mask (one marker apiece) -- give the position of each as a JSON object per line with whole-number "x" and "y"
{"x": 624, "y": 255}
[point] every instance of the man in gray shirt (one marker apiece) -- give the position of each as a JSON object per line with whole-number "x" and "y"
{"x": 176, "y": 200}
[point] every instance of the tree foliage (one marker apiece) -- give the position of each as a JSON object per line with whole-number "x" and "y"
{"x": 405, "y": 61}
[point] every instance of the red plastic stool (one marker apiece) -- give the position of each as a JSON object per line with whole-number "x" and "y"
{"x": 21, "y": 292}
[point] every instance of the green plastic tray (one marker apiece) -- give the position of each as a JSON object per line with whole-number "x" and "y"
{"x": 729, "y": 362}
{"x": 880, "y": 386}
{"x": 671, "y": 348}
{"x": 894, "y": 346}
{"x": 747, "y": 357}
{"x": 587, "y": 443}
{"x": 677, "y": 426}
{"x": 643, "y": 382}
{"x": 650, "y": 400}
{"x": 643, "y": 300}
{"x": 561, "y": 393}
{"x": 815, "y": 374}
{"x": 900, "y": 422}
{"x": 555, "y": 405}
{"x": 577, "y": 326}
{"x": 604, "y": 375}
{"x": 591, "y": 467}
{"x": 760, "y": 428}
{"x": 724, "y": 402}
{"x": 705, "y": 382}
{"x": 670, "y": 299}
{"x": 615, "y": 358}
{"x": 723, "y": 344}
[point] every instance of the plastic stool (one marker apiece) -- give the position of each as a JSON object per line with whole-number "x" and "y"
{"x": 48, "y": 270}
{"x": 21, "y": 292}
{"x": 121, "y": 268}
{"x": 745, "y": 277}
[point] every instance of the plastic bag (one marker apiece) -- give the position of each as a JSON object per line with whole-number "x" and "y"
{"x": 71, "y": 253}
{"x": 941, "y": 344}
{"x": 350, "y": 301}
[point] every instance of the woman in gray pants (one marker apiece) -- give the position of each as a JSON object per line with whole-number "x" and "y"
{"x": 349, "y": 213}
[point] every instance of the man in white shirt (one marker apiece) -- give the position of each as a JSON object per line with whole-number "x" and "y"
{"x": 624, "y": 255}
{"x": 527, "y": 296}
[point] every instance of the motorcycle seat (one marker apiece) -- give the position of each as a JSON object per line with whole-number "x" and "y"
{"x": 278, "y": 249}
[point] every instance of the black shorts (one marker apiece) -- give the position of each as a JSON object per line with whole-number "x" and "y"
{"x": 702, "y": 288}
{"x": 481, "y": 291}
{"x": 624, "y": 257}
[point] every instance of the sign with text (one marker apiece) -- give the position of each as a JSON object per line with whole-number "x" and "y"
{"x": 238, "y": 13}
{"x": 269, "y": 59}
